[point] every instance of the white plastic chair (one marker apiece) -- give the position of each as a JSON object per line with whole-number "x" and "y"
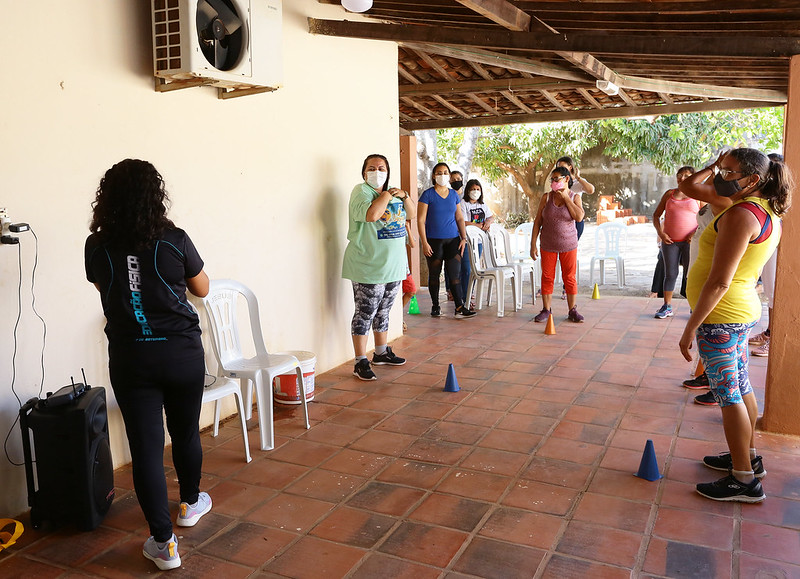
{"x": 500, "y": 241}
{"x": 257, "y": 372}
{"x": 483, "y": 273}
{"x": 218, "y": 387}
{"x": 610, "y": 247}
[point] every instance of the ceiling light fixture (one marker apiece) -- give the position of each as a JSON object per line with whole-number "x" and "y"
{"x": 607, "y": 87}
{"x": 357, "y": 5}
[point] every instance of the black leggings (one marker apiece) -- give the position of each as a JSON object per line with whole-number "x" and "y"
{"x": 145, "y": 379}
{"x": 445, "y": 250}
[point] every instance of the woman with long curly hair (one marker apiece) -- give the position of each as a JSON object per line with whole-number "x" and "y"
{"x": 721, "y": 291}
{"x": 142, "y": 265}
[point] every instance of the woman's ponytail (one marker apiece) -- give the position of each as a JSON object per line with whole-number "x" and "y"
{"x": 778, "y": 187}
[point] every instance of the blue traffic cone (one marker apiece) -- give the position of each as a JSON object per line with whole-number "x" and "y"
{"x": 648, "y": 468}
{"x": 451, "y": 384}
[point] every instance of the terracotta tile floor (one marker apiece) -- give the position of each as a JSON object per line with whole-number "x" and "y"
{"x": 526, "y": 472}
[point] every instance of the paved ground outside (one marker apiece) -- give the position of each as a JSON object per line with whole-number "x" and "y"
{"x": 527, "y": 471}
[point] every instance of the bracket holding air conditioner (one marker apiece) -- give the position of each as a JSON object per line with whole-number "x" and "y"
{"x": 162, "y": 85}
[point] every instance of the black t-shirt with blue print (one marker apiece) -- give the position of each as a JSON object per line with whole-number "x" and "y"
{"x": 144, "y": 292}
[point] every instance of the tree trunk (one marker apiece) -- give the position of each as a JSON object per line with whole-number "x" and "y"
{"x": 427, "y": 153}
{"x": 466, "y": 152}
{"x": 427, "y": 157}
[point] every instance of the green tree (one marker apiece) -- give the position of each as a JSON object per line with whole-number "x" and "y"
{"x": 528, "y": 152}
{"x": 671, "y": 141}
{"x": 525, "y": 152}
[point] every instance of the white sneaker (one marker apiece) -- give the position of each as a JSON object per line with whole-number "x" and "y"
{"x": 188, "y": 515}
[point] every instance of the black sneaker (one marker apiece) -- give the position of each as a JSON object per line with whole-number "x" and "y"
{"x": 436, "y": 311}
{"x": 388, "y": 358}
{"x": 698, "y": 383}
{"x": 706, "y": 399}
{"x": 731, "y": 489}
{"x": 363, "y": 371}
{"x": 723, "y": 462}
{"x": 464, "y": 312}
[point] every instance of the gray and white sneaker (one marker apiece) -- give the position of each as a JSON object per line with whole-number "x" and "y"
{"x": 188, "y": 515}
{"x": 164, "y": 555}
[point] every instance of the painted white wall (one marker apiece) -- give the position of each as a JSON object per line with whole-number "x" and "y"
{"x": 261, "y": 184}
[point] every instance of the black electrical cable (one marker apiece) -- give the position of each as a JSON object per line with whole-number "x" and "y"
{"x": 33, "y": 306}
{"x": 14, "y": 358}
{"x": 16, "y": 341}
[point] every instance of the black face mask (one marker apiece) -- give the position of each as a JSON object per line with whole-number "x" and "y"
{"x": 456, "y": 185}
{"x": 726, "y": 188}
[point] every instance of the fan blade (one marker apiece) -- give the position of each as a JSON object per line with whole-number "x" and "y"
{"x": 220, "y": 55}
{"x": 228, "y": 16}
{"x": 205, "y": 14}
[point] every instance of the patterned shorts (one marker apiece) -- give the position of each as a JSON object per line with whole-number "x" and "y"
{"x": 723, "y": 349}
{"x": 373, "y": 304}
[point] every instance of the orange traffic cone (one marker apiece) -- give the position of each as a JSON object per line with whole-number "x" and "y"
{"x": 699, "y": 369}
{"x": 550, "y": 328}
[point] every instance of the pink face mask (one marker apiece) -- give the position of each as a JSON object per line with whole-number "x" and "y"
{"x": 557, "y": 185}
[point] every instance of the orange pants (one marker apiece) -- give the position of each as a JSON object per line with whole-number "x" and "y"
{"x": 569, "y": 263}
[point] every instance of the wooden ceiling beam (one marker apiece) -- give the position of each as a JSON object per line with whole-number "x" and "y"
{"x": 586, "y": 115}
{"x": 623, "y": 81}
{"x": 589, "y": 98}
{"x": 511, "y": 84}
{"x": 428, "y": 59}
{"x": 688, "y": 8}
{"x": 590, "y": 64}
{"x": 553, "y": 100}
{"x": 421, "y": 108}
{"x": 676, "y": 45}
{"x": 502, "y": 60}
{"x": 450, "y": 106}
{"x": 624, "y": 96}
{"x": 482, "y": 103}
{"x": 500, "y": 12}
{"x": 507, "y": 94}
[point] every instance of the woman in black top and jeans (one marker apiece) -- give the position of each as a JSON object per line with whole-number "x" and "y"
{"x": 142, "y": 265}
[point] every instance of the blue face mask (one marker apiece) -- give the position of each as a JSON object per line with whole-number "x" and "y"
{"x": 726, "y": 188}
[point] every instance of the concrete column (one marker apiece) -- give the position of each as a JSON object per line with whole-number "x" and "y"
{"x": 408, "y": 182}
{"x": 782, "y": 399}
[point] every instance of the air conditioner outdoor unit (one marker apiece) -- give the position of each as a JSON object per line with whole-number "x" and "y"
{"x": 231, "y": 44}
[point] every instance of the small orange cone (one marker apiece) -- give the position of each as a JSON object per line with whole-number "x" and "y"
{"x": 699, "y": 369}
{"x": 550, "y": 328}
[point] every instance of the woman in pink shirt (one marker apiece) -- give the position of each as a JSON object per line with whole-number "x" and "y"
{"x": 554, "y": 231}
{"x": 680, "y": 223}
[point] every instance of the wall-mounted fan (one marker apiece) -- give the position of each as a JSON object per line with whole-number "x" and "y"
{"x": 234, "y": 44}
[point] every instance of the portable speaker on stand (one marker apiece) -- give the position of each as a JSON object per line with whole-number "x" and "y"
{"x": 68, "y": 468}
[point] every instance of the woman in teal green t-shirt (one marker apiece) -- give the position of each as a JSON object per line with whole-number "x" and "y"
{"x": 375, "y": 260}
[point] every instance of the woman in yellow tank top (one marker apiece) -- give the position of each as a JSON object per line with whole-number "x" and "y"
{"x": 725, "y": 306}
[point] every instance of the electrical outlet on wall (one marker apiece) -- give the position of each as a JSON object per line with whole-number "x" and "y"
{"x": 5, "y": 221}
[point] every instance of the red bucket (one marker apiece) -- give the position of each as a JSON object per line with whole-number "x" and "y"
{"x": 286, "y": 389}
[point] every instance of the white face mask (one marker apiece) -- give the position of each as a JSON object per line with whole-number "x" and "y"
{"x": 443, "y": 180}
{"x": 376, "y": 179}
{"x": 475, "y": 194}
